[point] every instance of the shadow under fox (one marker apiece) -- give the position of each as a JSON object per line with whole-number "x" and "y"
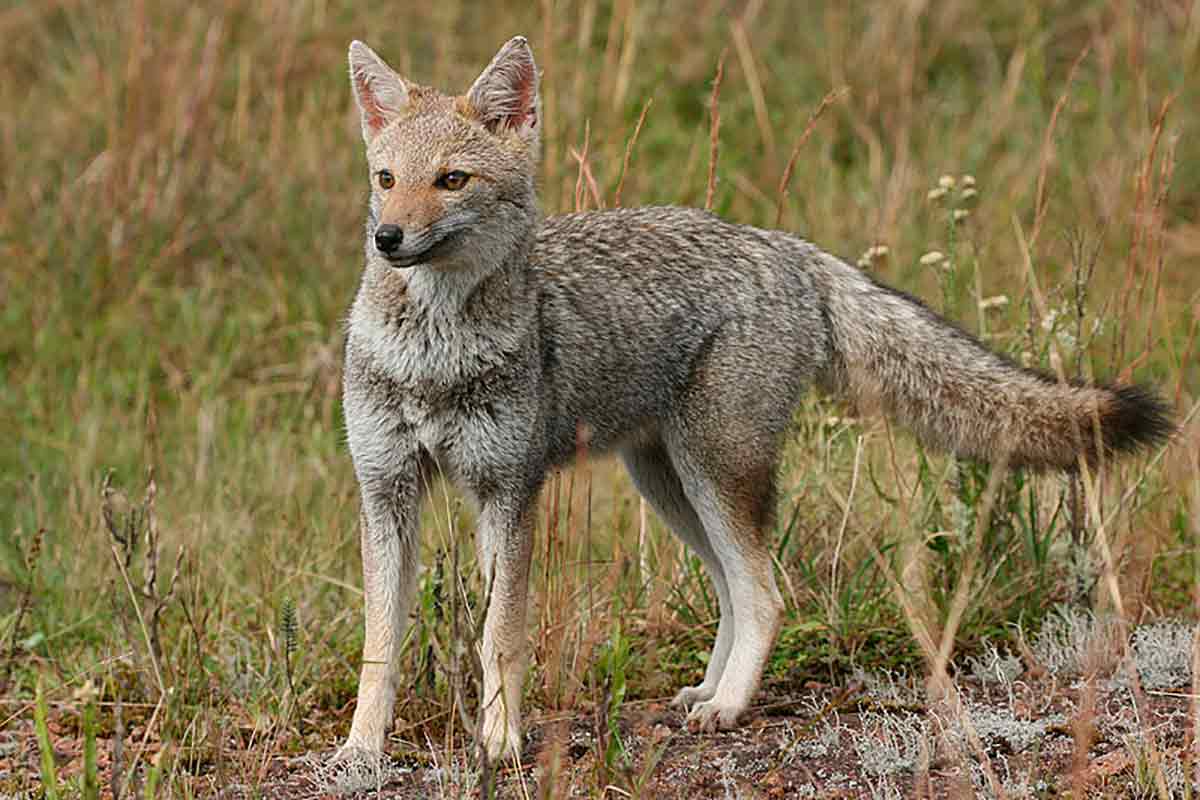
{"x": 485, "y": 340}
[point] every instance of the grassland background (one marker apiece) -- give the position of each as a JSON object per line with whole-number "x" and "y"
{"x": 181, "y": 201}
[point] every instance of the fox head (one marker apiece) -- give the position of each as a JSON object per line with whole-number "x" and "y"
{"x": 452, "y": 177}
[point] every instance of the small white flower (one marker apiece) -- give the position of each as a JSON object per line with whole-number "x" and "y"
{"x": 960, "y": 214}
{"x": 969, "y": 194}
{"x": 968, "y": 181}
{"x": 871, "y": 254}
{"x": 932, "y": 258}
{"x": 936, "y": 194}
{"x": 946, "y": 182}
{"x": 86, "y": 693}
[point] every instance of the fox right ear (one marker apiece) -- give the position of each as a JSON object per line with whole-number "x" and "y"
{"x": 380, "y": 93}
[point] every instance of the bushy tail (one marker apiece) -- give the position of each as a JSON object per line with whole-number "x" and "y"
{"x": 892, "y": 351}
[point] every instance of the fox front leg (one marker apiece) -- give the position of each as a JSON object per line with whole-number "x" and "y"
{"x": 505, "y": 545}
{"x": 391, "y": 505}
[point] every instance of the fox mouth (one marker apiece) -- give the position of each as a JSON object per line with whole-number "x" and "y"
{"x": 424, "y": 256}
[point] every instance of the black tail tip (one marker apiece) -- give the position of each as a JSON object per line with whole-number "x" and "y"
{"x": 1135, "y": 417}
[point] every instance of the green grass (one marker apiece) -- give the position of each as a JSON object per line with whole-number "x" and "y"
{"x": 181, "y": 201}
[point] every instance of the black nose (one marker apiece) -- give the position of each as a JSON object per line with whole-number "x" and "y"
{"x": 388, "y": 238}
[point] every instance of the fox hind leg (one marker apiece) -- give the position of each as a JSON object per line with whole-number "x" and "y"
{"x": 655, "y": 478}
{"x": 733, "y": 516}
{"x": 724, "y": 438}
{"x": 724, "y": 442}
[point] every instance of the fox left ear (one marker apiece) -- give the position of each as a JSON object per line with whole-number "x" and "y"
{"x": 505, "y": 95}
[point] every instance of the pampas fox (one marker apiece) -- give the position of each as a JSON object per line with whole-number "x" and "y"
{"x": 485, "y": 340}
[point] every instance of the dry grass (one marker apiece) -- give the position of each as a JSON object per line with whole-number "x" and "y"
{"x": 181, "y": 196}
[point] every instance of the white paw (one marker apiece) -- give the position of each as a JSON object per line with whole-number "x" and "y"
{"x": 501, "y": 739}
{"x": 353, "y": 769}
{"x": 691, "y": 695}
{"x": 351, "y": 754}
{"x": 711, "y": 716}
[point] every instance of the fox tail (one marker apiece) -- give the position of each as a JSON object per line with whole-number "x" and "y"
{"x": 892, "y": 351}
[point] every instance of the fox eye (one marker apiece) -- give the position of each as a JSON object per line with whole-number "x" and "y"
{"x": 453, "y": 180}
{"x": 386, "y": 179}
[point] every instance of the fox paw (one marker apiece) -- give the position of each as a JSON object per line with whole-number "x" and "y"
{"x": 353, "y": 757}
{"x": 689, "y": 696}
{"x": 710, "y": 716}
{"x": 501, "y": 741}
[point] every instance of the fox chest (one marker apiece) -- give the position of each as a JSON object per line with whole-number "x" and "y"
{"x": 470, "y": 415}
{"x": 473, "y": 432}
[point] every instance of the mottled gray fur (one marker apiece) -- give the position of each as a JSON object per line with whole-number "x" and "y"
{"x": 490, "y": 344}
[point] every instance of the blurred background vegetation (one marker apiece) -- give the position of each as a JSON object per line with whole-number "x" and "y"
{"x": 181, "y": 200}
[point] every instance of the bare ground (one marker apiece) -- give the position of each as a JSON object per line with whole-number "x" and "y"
{"x": 1028, "y": 737}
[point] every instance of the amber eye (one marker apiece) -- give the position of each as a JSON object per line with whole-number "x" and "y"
{"x": 386, "y": 179}
{"x": 453, "y": 180}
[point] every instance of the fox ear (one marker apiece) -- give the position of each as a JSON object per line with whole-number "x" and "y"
{"x": 505, "y": 96}
{"x": 379, "y": 91}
